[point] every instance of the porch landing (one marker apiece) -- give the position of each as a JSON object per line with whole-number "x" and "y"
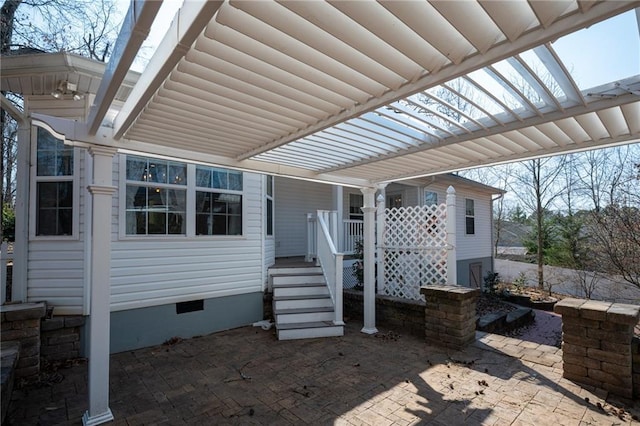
{"x": 292, "y": 262}
{"x": 246, "y": 376}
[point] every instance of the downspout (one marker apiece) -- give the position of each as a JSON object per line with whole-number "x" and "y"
{"x": 493, "y": 252}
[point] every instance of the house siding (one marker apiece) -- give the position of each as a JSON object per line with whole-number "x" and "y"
{"x": 147, "y": 271}
{"x": 293, "y": 200}
{"x": 55, "y": 267}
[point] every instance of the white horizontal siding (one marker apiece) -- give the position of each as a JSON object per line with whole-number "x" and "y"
{"x": 151, "y": 271}
{"x": 468, "y": 246}
{"x": 293, "y": 200}
{"x": 56, "y": 275}
{"x": 479, "y": 244}
{"x": 55, "y": 267}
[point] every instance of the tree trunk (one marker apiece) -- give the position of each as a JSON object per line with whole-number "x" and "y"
{"x": 7, "y": 19}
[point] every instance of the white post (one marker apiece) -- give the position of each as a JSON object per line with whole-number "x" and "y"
{"x": 452, "y": 278}
{"x": 369, "y": 211}
{"x": 338, "y": 206}
{"x": 339, "y": 290}
{"x": 380, "y": 223}
{"x": 4, "y": 252}
{"x": 310, "y": 239}
{"x": 99, "y": 321}
{"x": 20, "y": 248}
{"x": 333, "y": 221}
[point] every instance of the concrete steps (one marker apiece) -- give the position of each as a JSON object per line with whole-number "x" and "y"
{"x": 302, "y": 305}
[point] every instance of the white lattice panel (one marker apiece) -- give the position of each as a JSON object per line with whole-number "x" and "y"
{"x": 414, "y": 244}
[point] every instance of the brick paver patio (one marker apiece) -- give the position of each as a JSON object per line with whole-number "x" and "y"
{"x": 246, "y": 376}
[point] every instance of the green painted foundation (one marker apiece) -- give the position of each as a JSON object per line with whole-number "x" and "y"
{"x": 139, "y": 328}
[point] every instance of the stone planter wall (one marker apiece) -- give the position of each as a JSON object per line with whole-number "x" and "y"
{"x": 391, "y": 312}
{"x": 450, "y": 315}
{"x": 635, "y": 359}
{"x": 21, "y": 323}
{"x": 597, "y": 343}
{"x": 60, "y": 337}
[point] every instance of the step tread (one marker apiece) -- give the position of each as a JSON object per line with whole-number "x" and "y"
{"x": 301, "y": 325}
{"x": 294, "y": 285}
{"x": 284, "y": 311}
{"x": 302, "y": 297}
{"x": 297, "y": 274}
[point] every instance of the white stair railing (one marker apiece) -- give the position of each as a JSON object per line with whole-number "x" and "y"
{"x": 329, "y": 259}
{"x": 352, "y": 231}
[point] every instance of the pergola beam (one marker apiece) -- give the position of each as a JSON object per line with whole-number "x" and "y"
{"x": 547, "y": 32}
{"x": 133, "y": 33}
{"x": 189, "y": 22}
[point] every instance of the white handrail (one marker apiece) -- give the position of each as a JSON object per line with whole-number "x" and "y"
{"x": 330, "y": 260}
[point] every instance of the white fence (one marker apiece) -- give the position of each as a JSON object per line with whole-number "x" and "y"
{"x": 570, "y": 282}
{"x": 6, "y": 258}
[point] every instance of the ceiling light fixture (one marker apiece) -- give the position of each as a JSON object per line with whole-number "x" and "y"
{"x": 63, "y": 87}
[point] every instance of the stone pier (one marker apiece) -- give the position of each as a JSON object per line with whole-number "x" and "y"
{"x": 450, "y": 315}
{"x": 596, "y": 343}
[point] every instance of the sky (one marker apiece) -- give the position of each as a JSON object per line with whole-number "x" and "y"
{"x": 602, "y": 53}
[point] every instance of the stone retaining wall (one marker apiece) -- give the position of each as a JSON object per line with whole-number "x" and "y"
{"x": 60, "y": 337}
{"x": 450, "y": 315}
{"x": 597, "y": 343}
{"x": 391, "y": 312}
{"x": 21, "y": 323}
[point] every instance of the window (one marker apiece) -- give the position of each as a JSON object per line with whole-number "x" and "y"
{"x": 54, "y": 186}
{"x": 269, "y": 213}
{"x": 356, "y": 202}
{"x": 430, "y": 198}
{"x": 218, "y": 201}
{"x": 470, "y": 220}
{"x": 172, "y": 198}
{"x": 156, "y": 197}
{"x": 394, "y": 201}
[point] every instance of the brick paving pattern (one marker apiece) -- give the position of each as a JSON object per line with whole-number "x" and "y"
{"x": 246, "y": 376}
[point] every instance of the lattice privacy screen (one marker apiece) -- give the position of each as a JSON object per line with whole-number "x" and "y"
{"x": 414, "y": 243}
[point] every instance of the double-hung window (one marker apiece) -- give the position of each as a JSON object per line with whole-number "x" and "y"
{"x": 218, "y": 201}
{"x": 269, "y": 199}
{"x": 430, "y": 198}
{"x": 156, "y": 197}
{"x": 54, "y": 186}
{"x": 470, "y": 216}
{"x": 173, "y": 198}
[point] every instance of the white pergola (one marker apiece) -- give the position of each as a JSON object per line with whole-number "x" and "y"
{"x": 356, "y": 93}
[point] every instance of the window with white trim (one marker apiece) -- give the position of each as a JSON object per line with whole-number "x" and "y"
{"x": 470, "y": 216}
{"x": 156, "y": 197}
{"x": 269, "y": 206}
{"x": 218, "y": 201}
{"x": 394, "y": 201}
{"x": 430, "y": 198}
{"x": 356, "y": 202}
{"x": 54, "y": 186}
{"x": 173, "y": 198}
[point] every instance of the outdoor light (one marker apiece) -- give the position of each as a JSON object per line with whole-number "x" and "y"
{"x": 63, "y": 87}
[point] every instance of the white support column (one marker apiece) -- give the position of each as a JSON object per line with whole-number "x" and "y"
{"x": 369, "y": 211}
{"x": 380, "y": 224}
{"x": 20, "y": 249}
{"x": 452, "y": 273}
{"x": 338, "y": 206}
{"x": 102, "y": 191}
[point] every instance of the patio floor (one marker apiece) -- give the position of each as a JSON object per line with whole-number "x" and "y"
{"x": 246, "y": 376}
